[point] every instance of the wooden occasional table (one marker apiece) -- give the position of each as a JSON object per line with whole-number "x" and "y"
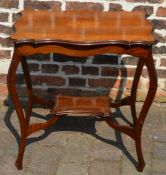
{"x": 82, "y": 34}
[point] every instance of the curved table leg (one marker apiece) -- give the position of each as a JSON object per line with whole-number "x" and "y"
{"x": 11, "y": 80}
{"x": 29, "y": 89}
{"x": 26, "y": 129}
{"x": 136, "y": 131}
{"x": 134, "y": 89}
{"x": 131, "y": 100}
{"x": 148, "y": 101}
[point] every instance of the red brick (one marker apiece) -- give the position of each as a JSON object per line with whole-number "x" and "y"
{"x": 156, "y": 1}
{"x": 129, "y": 60}
{"x": 4, "y": 92}
{"x": 161, "y": 38}
{"x": 42, "y": 93}
{"x": 159, "y": 24}
{"x": 70, "y": 69}
{"x": 20, "y": 79}
{"x": 129, "y": 83}
{"x": 160, "y": 93}
{"x": 22, "y": 91}
{"x": 115, "y": 7}
{"x": 105, "y": 59}
{"x": 49, "y": 68}
{"x": 49, "y": 80}
{"x": 159, "y": 50}
{"x": 4, "y": 17}
{"x": 163, "y": 62}
{"x": 90, "y": 70}
{"x": 147, "y": 9}
{"x": 160, "y": 96}
{"x": 9, "y": 4}
{"x": 161, "y": 12}
{"x": 63, "y": 58}
{"x": 6, "y": 29}
{"x": 6, "y": 42}
{"x": 109, "y": 71}
{"x": 136, "y": 0}
{"x": 39, "y": 57}
{"x": 64, "y": 91}
{"x": 103, "y": 82}
{"x": 127, "y": 72}
{"x": 150, "y": 1}
{"x": 114, "y": 71}
{"x": 113, "y": 94}
{"x": 161, "y": 73}
{"x": 94, "y": 92}
{"x": 51, "y": 93}
{"x": 5, "y": 54}
{"x": 16, "y": 16}
{"x": 3, "y": 79}
{"x": 77, "y": 82}
{"x": 54, "y": 5}
{"x": 118, "y": 84}
{"x": 145, "y": 73}
{"x": 33, "y": 67}
{"x": 84, "y": 6}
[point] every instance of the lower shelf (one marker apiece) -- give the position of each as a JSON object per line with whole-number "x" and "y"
{"x": 81, "y": 106}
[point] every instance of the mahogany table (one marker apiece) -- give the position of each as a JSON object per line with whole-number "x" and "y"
{"x": 82, "y": 34}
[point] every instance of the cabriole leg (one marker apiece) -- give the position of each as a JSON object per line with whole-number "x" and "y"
{"x": 134, "y": 89}
{"x": 29, "y": 89}
{"x": 11, "y": 81}
{"x": 148, "y": 101}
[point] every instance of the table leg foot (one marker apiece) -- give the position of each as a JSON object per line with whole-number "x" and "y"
{"x": 140, "y": 167}
{"x": 18, "y": 164}
{"x": 20, "y": 156}
{"x": 141, "y": 162}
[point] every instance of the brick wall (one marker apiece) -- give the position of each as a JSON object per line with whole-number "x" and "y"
{"x": 85, "y": 76}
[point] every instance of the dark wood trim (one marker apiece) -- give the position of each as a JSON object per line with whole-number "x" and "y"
{"x": 37, "y": 43}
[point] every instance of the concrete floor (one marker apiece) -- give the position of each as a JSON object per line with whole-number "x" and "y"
{"x": 83, "y": 146}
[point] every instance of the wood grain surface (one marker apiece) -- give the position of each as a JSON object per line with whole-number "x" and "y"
{"x": 83, "y": 27}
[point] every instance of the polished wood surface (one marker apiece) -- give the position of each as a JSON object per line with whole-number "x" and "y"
{"x": 82, "y": 33}
{"x": 83, "y": 27}
{"x": 81, "y": 106}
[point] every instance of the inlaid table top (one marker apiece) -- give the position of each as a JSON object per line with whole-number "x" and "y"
{"x": 83, "y": 27}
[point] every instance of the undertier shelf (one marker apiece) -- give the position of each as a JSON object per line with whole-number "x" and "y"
{"x": 81, "y": 106}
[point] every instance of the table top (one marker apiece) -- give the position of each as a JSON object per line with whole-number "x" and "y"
{"x": 83, "y": 27}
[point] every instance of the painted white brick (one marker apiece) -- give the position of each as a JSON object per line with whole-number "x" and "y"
{"x": 4, "y": 66}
